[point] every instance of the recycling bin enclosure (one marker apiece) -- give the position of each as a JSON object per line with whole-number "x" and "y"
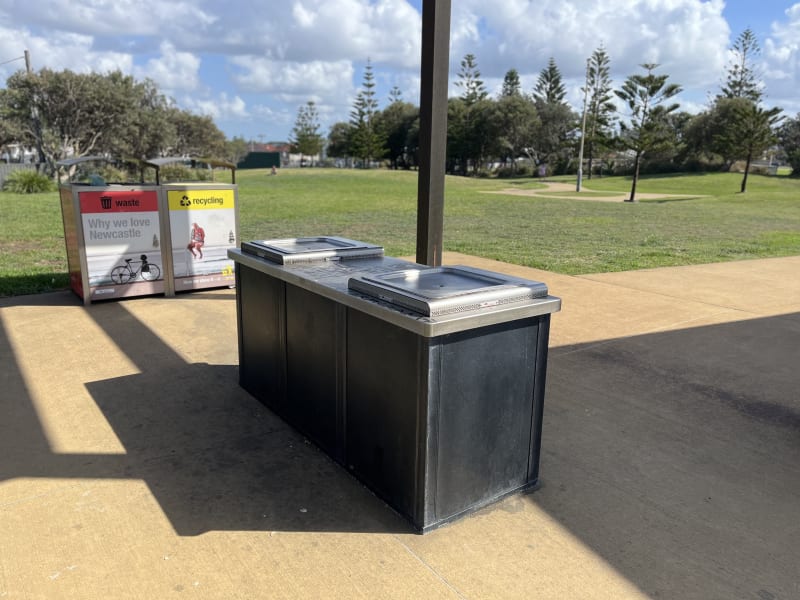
{"x": 113, "y": 235}
{"x": 203, "y": 221}
{"x": 426, "y": 383}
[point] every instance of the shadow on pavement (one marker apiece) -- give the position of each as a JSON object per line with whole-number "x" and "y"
{"x": 676, "y": 456}
{"x": 213, "y": 457}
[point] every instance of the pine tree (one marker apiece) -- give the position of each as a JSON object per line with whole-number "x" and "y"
{"x": 645, "y": 95}
{"x": 600, "y": 107}
{"x": 365, "y": 141}
{"x": 558, "y": 123}
{"x": 549, "y": 88}
{"x": 742, "y": 80}
{"x": 306, "y": 138}
{"x": 470, "y": 81}
{"x": 511, "y": 84}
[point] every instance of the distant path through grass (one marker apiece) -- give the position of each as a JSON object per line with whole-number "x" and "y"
{"x": 558, "y": 189}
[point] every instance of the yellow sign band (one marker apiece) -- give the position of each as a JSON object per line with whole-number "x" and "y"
{"x": 205, "y": 199}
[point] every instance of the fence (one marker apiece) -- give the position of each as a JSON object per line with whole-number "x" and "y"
{"x": 7, "y": 169}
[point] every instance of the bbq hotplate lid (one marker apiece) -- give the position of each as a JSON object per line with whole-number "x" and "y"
{"x": 447, "y": 290}
{"x": 310, "y": 249}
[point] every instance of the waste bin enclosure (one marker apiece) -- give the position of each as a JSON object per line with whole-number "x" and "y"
{"x": 203, "y": 225}
{"x": 432, "y": 378}
{"x": 113, "y": 235}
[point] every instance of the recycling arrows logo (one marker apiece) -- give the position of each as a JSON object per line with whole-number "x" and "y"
{"x": 185, "y": 201}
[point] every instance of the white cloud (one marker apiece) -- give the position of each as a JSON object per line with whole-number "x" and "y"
{"x": 59, "y": 50}
{"x": 221, "y": 107}
{"x": 782, "y": 61}
{"x": 387, "y": 31}
{"x": 111, "y": 17}
{"x": 251, "y": 61}
{"x": 173, "y": 71}
{"x": 294, "y": 81}
{"x": 688, "y": 37}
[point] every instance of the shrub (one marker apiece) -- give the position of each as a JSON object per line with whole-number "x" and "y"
{"x": 113, "y": 174}
{"x": 508, "y": 172}
{"x": 27, "y": 182}
{"x": 177, "y": 172}
{"x": 739, "y": 165}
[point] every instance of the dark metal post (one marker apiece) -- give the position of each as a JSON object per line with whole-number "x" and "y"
{"x": 432, "y": 130}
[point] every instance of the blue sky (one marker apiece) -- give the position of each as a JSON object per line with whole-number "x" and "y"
{"x": 251, "y": 63}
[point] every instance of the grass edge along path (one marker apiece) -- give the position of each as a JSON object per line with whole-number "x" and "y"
{"x": 556, "y": 234}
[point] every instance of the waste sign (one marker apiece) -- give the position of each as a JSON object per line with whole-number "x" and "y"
{"x": 113, "y": 236}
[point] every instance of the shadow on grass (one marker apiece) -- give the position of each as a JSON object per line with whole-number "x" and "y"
{"x": 667, "y": 200}
{"x": 22, "y": 285}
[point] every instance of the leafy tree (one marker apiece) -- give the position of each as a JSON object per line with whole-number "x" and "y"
{"x": 236, "y": 149}
{"x": 648, "y": 128}
{"x": 145, "y": 130}
{"x": 600, "y": 109}
{"x": 457, "y": 154}
{"x": 742, "y": 80}
{"x": 339, "y": 140}
{"x": 789, "y": 138}
{"x": 470, "y": 82}
{"x": 750, "y": 131}
{"x": 365, "y": 141}
{"x": 555, "y": 135}
{"x": 697, "y": 139}
{"x": 511, "y": 84}
{"x": 517, "y": 124}
{"x": 305, "y": 138}
{"x": 78, "y": 114}
{"x": 549, "y": 88}
{"x": 483, "y": 134}
{"x": 395, "y": 125}
{"x": 10, "y": 130}
{"x": 196, "y": 135}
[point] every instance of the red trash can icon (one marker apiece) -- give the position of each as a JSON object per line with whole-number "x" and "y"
{"x": 105, "y": 202}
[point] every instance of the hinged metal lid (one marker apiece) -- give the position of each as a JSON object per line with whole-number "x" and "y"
{"x": 446, "y": 290}
{"x": 310, "y": 249}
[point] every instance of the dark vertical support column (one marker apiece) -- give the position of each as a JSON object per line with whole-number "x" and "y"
{"x": 432, "y": 130}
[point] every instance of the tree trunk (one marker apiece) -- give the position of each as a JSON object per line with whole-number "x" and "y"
{"x": 635, "y": 177}
{"x": 746, "y": 171}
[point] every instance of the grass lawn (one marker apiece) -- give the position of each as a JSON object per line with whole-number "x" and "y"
{"x": 556, "y": 234}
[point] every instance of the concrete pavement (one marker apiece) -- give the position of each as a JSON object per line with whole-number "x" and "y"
{"x": 133, "y": 466}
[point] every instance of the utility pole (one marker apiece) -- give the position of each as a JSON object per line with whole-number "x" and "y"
{"x": 37, "y": 125}
{"x": 583, "y": 128}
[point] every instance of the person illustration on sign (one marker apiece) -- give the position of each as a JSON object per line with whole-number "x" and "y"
{"x": 196, "y": 240}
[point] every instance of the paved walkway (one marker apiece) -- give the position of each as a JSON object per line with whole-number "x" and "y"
{"x": 562, "y": 190}
{"x": 133, "y": 466}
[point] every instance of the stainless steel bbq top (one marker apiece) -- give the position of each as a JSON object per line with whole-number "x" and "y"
{"x": 331, "y": 279}
{"x": 448, "y": 290}
{"x": 310, "y": 249}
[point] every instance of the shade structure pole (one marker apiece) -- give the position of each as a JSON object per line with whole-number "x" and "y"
{"x": 432, "y": 130}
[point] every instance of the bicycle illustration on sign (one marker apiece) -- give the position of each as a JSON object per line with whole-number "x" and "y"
{"x": 127, "y": 273}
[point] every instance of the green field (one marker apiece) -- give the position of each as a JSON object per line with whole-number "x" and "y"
{"x": 556, "y": 234}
